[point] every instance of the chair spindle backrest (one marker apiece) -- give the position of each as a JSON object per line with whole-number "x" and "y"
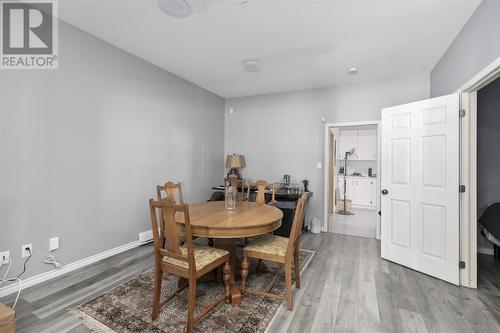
{"x": 298, "y": 218}
{"x": 262, "y": 186}
{"x": 169, "y": 189}
{"x": 168, "y": 209}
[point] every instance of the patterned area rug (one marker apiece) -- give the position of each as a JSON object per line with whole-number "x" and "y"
{"x": 127, "y": 308}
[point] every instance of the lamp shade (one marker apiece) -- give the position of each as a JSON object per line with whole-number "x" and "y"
{"x": 235, "y": 161}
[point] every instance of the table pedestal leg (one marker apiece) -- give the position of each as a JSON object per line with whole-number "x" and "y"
{"x": 231, "y": 246}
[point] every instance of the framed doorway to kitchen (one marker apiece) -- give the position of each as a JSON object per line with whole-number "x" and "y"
{"x": 352, "y": 179}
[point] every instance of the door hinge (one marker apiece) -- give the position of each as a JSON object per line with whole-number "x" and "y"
{"x": 461, "y": 189}
{"x": 462, "y": 113}
{"x": 461, "y": 264}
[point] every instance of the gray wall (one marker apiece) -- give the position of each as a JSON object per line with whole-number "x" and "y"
{"x": 82, "y": 148}
{"x": 282, "y": 133}
{"x": 488, "y": 158}
{"x": 476, "y": 46}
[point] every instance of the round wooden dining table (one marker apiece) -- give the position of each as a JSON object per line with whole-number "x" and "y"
{"x": 212, "y": 220}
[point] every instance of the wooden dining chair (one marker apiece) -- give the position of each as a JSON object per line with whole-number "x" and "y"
{"x": 280, "y": 250}
{"x": 262, "y": 186}
{"x": 188, "y": 261}
{"x": 169, "y": 189}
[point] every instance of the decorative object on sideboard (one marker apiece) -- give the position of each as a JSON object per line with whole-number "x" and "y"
{"x": 288, "y": 188}
{"x": 306, "y": 185}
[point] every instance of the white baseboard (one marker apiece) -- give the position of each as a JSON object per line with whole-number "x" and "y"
{"x": 146, "y": 236}
{"x": 486, "y": 250}
{"x": 34, "y": 280}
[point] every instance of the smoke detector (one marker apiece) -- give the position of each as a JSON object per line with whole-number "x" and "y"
{"x": 252, "y": 65}
{"x": 352, "y": 71}
{"x": 176, "y": 8}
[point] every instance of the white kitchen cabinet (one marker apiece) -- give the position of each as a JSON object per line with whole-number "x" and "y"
{"x": 367, "y": 192}
{"x": 348, "y": 140}
{"x": 354, "y": 191}
{"x": 373, "y": 192}
{"x": 364, "y": 143}
{"x": 367, "y": 145}
{"x": 361, "y": 190}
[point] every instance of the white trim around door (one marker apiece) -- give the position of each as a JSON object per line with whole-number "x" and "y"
{"x": 468, "y": 169}
{"x": 326, "y": 160}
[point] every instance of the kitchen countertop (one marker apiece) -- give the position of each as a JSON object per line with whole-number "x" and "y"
{"x": 342, "y": 176}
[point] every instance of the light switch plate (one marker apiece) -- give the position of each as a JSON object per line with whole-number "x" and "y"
{"x": 53, "y": 243}
{"x": 319, "y": 165}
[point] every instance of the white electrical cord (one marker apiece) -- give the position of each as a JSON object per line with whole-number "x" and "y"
{"x": 8, "y": 269}
{"x": 11, "y": 280}
{"x": 50, "y": 258}
{"x": 18, "y": 291}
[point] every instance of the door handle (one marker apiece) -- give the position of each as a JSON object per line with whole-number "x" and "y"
{"x": 384, "y": 192}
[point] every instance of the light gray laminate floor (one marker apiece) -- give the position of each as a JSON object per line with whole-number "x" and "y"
{"x": 347, "y": 288}
{"x": 362, "y": 223}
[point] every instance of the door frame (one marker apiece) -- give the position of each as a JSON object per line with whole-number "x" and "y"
{"x": 329, "y": 168}
{"x": 468, "y": 170}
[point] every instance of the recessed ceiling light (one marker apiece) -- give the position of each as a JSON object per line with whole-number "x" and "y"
{"x": 177, "y": 8}
{"x": 352, "y": 71}
{"x": 252, "y": 66}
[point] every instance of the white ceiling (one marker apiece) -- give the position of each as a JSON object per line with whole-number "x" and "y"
{"x": 383, "y": 38}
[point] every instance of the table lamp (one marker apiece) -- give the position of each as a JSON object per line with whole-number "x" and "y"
{"x": 234, "y": 162}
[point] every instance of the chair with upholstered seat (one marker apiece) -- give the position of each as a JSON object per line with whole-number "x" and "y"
{"x": 280, "y": 250}
{"x": 169, "y": 189}
{"x": 188, "y": 261}
{"x": 260, "y": 199}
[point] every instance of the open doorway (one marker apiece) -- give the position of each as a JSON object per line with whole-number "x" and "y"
{"x": 472, "y": 243}
{"x": 488, "y": 184}
{"x": 352, "y": 180}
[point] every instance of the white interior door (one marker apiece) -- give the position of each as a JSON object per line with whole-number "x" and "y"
{"x": 420, "y": 186}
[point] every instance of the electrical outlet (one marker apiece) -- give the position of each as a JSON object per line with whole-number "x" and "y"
{"x": 53, "y": 243}
{"x": 4, "y": 258}
{"x": 24, "y": 250}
